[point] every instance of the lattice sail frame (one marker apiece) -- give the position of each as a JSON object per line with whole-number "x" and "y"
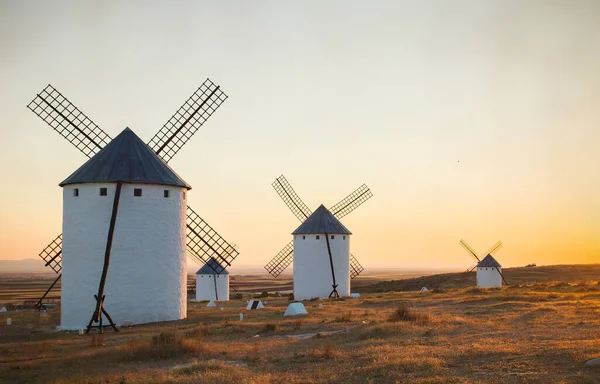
{"x": 469, "y": 250}
{"x": 282, "y": 260}
{"x": 495, "y": 248}
{"x": 187, "y": 120}
{"x": 291, "y": 198}
{"x": 204, "y": 242}
{"x": 52, "y": 254}
{"x": 351, "y": 202}
{"x": 355, "y": 267}
{"x": 285, "y": 257}
{"x": 65, "y": 118}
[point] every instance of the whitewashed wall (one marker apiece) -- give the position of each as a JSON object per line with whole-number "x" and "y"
{"x": 312, "y": 270}
{"x": 205, "y": 287}
{"x": 146, "y": 279}
{"x": 488, "y": 277}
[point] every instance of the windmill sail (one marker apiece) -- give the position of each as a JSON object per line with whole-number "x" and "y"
{"x": 351, "y": 202}
{"x": 355, "y": 267}
{"x": 203, "y": 242}
{"x": 469, "y": 249}
{"x": 291, "y": 198}
{"x": 281, "y": 261}
{"x": 494, "y": 248}
{"x": 187, "y": 120}
{"x": 52, "y": 254}
{"x": 66, "y": 119}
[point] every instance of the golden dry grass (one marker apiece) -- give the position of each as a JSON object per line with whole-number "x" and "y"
{"x": 538, "y": 332}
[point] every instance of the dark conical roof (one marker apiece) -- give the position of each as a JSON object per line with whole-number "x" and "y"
{"x": 126, "y": 159}
{"x": 489, "y": 262}
{"x": 321, "y": 221}
{"x": 212, "y": 267}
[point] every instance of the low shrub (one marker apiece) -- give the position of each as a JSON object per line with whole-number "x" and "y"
{"x": 374, "y": 333}
{"x": 97, "y": 340}
{"x": 162, "y": 346}
{"x": 270, "y": 327}
{"x": 404, "y": 313}
{"x": 297, "y": 323}
{"x": 254, "y": 355}
{"x": 328, "y": 351}
{"x": 345, "y": 318}
{"x": 197, "y": 333}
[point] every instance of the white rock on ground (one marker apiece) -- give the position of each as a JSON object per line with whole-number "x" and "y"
{"x": 593, "y": 363}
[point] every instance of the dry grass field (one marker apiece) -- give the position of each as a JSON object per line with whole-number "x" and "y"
{"x": 531, "y": 331}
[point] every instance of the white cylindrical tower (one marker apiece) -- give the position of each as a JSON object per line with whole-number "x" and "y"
{"x": 489, "y": 273}
{"x": 146, "y": 278}
{"x": 313, "y": 276}
{"x": 212, "y": 282}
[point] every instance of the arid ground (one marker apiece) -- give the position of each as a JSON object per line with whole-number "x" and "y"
{"x": 542, "y": 328}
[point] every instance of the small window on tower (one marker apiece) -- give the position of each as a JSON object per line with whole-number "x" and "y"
{"x": 76, "y": 192}
{"x": 137, "y": 192}
{"x": 343, "y": 237}
{"x": 317, "y": 237}
{"x": 332, "y": 237}
{"x": 303, "y": 237}
{"x": 103, "y": 191}
{"x": 166, "y": 193}
{"x": 183, "y": 195}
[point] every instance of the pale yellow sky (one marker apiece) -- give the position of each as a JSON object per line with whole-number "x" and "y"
{"x": 332, "y": 95}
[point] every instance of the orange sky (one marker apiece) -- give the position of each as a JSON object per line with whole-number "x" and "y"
{"x": 468, "y": 119}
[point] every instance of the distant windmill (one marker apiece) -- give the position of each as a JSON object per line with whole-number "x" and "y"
{"x": 211, "y": 285}
{"x": 285, "y": 257}
{"x": 489, "y": 271}
{"x": 203, "y": 242}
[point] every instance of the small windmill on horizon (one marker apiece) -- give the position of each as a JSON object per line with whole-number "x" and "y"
{"x": 115, "y": 166}
{"x": 489, "y": 270}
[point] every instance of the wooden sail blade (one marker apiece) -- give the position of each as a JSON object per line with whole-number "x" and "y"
{"x": 187, "y": 120}
{"x": 495, "y": 248}
{"x": 66, "y": 119}
{"x": 351, "y": 202}
{"x": 52, "y": 254}
{"x": 291, "y": 198}
{"x": 469, "y": 249}
{"x": 355, "y": 267}
{"x": 203, "y": 242}
{"x": 282, "y": 260}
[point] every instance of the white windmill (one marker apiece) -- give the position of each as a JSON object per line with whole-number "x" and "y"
{"x": 212, "y": 282}
{"x": 321, "y": 257}
{"x": 489, "y": 271}
{"x": 125, "y": 208}
{"x": 285, "y": 257}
